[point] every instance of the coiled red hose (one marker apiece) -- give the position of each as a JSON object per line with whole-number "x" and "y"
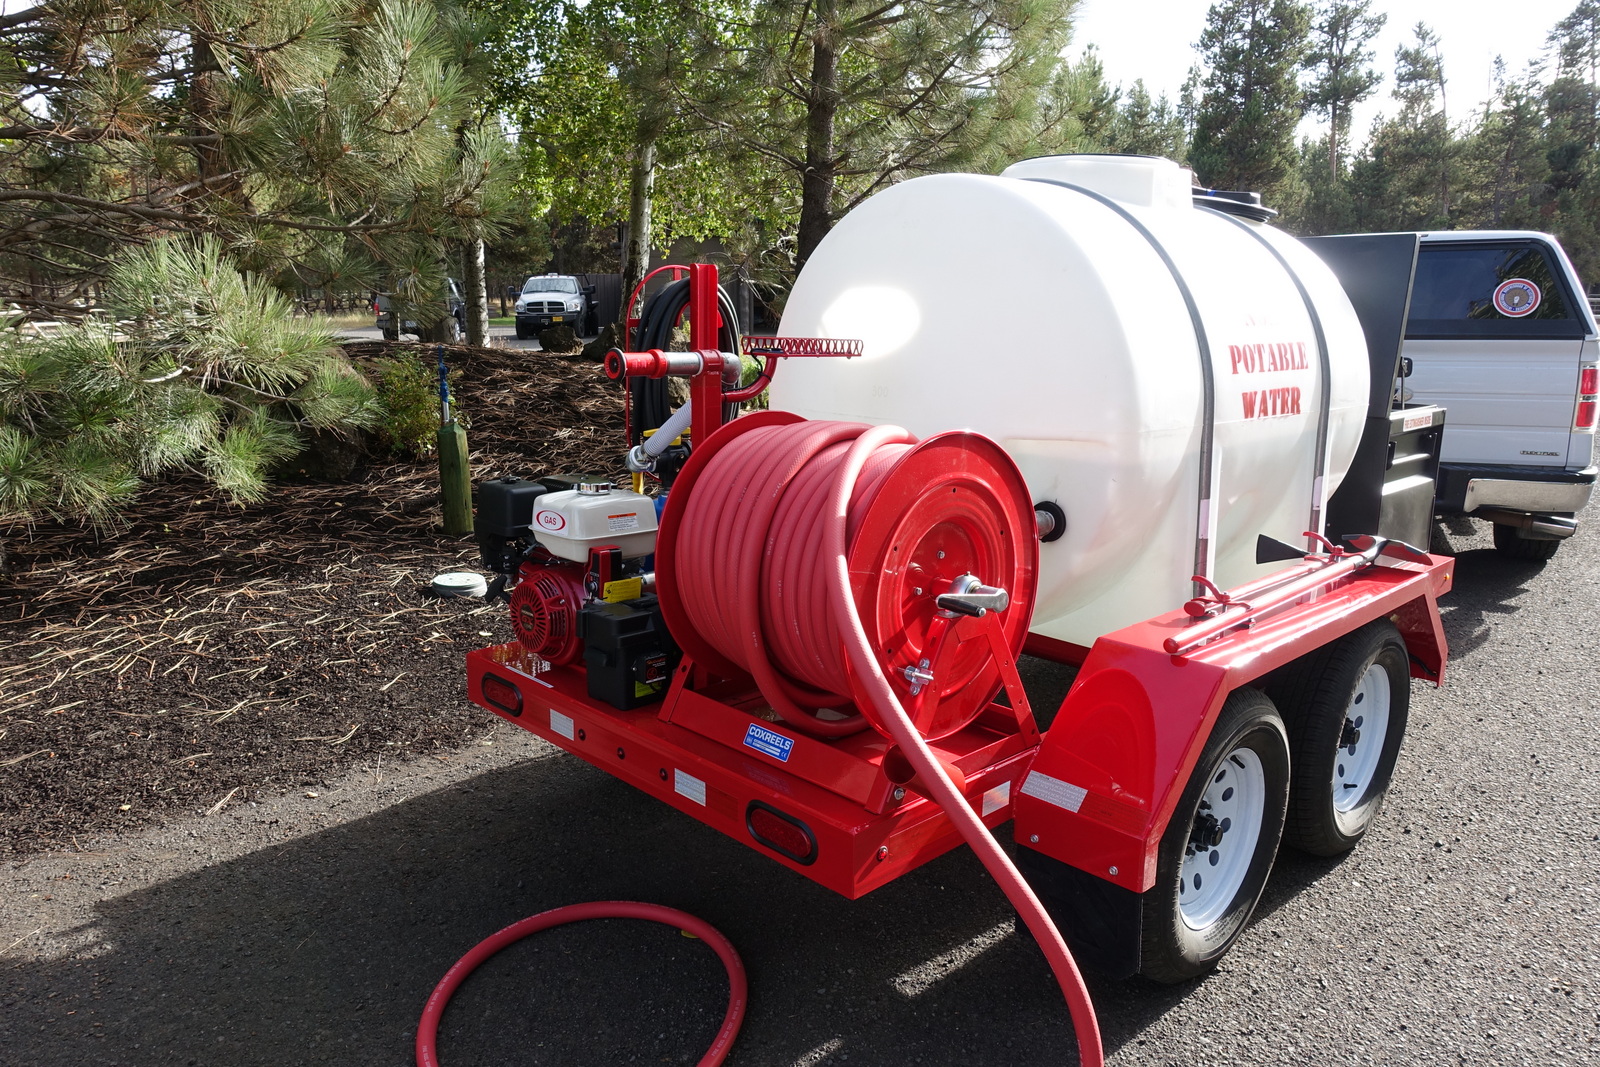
{"x": 800, "y": 490}
{"x": 428, "y": 1027}
{"x": 773, "y": 490}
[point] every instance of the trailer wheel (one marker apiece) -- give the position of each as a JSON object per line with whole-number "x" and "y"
{"x": 1346, "y": 706}
{"x": 1509, "y": 542}
{"x": 1217, "y": 851}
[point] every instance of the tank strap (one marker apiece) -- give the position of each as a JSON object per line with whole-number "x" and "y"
{"x": 1319, "y": 476}
{"x": 1205, "y": 541}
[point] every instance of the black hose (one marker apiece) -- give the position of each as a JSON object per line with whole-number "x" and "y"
{"x": 660, "y": 314}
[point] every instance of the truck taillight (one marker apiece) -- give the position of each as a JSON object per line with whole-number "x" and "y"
{"x": 1588, "y": 398}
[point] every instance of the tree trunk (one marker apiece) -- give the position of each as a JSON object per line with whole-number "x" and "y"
{"x": 1333, "y": 142}
{"x": 477, "y": 295}
{"x": 205, "y": 114}
{"x": 822, "y": 105}
{"x": 636, "y": 250}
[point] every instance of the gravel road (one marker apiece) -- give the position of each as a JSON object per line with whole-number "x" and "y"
{"x": 310, "y": 928}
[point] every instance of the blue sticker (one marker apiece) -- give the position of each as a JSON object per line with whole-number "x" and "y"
{"x": 768, "y": 742}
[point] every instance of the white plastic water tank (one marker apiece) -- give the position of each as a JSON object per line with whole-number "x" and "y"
{"x": 1054, "y": 322}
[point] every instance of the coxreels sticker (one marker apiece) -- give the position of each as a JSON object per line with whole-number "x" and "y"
{"x": 768, "y": 742}
{"x": 1516, "y": 297}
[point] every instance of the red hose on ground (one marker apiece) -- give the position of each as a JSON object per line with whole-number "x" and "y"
{"x": 800, "y": 490}
{"x": 428, "y": 1027}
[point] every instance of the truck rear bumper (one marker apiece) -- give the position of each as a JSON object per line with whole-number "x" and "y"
{"x": 1534, "y": 490}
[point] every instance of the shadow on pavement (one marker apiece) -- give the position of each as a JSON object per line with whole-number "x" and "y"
{"x": 1484, "y": 591}
{"x": 323, "y": 950}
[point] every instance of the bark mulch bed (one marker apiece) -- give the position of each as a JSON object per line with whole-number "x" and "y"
{"x": 205, "y": 654}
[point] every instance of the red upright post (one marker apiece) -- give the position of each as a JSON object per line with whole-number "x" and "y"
{"x": 705, "y": 319}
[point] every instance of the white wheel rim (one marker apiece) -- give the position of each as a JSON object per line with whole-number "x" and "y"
{"x": 1211, "y": 874}
{"x": 1366, "y": 727}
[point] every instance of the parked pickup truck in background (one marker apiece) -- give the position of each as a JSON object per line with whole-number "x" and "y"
{"x": 1500, "y": 334}
{"x": 448, "y": 329}
{"x": 550, "y": 300}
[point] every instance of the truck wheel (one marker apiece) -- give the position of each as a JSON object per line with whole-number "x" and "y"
{"x": 522, "y": 334}
{"x": 1346, "y": 706}
{"x": 1509, "y": 542}
{"x": 1218, "y": 848}
{"x": 391, "y": 335}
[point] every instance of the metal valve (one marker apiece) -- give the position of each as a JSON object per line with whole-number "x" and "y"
{"x": 969, "y": 596}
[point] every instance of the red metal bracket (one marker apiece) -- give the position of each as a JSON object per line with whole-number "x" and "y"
{"x": 1115, "y": 759}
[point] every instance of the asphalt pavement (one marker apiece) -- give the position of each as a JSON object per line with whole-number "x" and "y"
{"x": 310, "y": 929}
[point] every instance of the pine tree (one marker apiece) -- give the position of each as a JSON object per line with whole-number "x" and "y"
{"x": 1506, "y": 161}
{"x": 849, "y": 96}
{"x": 1341, "y": 67}
{"x": 1148, "y": 127}
{"x": 1250, "y": 99}
{"x": 1422, "y": 148}
{"x": 326, "y": 142}
{"x": 1572, "y": 137}
{"x": 198, "y": 367}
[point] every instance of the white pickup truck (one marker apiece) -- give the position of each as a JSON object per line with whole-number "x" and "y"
{"x": 1500, "y": 333}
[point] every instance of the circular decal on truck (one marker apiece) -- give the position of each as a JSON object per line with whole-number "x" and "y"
{"x": 1517, "y": 297}
{"x": 550, "y": 520}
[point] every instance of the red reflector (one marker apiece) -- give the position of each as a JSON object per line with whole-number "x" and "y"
{"x": 1586, "y": 415}
{"x": 782, "y": 833}
{"x": 502, "y": 694}
{"x": 1589, "y": 381}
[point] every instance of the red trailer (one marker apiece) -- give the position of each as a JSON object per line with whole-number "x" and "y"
{"x": 817, "y": 589}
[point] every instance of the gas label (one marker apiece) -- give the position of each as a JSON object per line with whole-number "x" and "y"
{"x": 550, "y": 520}
{"x": 768, "y": 742}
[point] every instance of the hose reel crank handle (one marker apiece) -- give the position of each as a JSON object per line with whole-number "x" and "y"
{"x": 969, "y": 596}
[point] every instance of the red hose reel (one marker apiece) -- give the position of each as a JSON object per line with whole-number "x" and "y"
{"x": 744, "y": 584}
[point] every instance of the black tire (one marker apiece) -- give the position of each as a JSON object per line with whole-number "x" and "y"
{"x": 1509, "y": 542}
{"x": 522, "y": 333}
{"x": 391, "y": 335}
{"x": 1177, "y": 945}
{"x": 1317, "y": 695}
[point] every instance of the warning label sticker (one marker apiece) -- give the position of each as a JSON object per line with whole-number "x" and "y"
{"x": 1418, "y": 422}
{"x": 768, "y": 742}
{"x": 1054, "y": 791}
{"x": 630, "y": 521}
